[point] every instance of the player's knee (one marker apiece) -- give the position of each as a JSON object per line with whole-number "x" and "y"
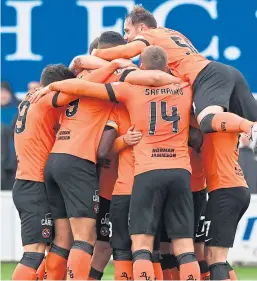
{"x": 103, "y": 250}
{"x": 122, "y": 255}
{"x": 199, "y": 251}
{"x": 206, "y": 124}
{"x": 84, "y": 229}
{"x": 142, "y": 241}
{"x": 216, "y": 254}
{"x": 63, "y": 235}
{"x": 182, "y": 245}
{"x": 32, "y": 259}
{"x": 37, "y": 248}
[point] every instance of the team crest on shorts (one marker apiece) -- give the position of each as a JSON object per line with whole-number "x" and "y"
{"x": 46, "y": 232}
{"x": 96, "y": 208}
{"x": 104, "y": 231}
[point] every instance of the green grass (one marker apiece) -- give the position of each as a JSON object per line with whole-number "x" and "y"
{"x": 243, "y": 273}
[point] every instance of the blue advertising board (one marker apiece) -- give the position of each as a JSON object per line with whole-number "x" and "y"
{"x": 39, "y": 32}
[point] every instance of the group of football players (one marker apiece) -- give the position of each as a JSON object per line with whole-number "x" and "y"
{"x": 117, "y": 159}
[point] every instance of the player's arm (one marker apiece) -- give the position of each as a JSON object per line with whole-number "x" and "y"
{"x": 101, "y": 74}
{"x": 106, "y": 143}
{"x": 127, "y": 51}
{"x": 154, "y": 78}
{"x": 86, "y": 62}
{"x": 80, "y": 87}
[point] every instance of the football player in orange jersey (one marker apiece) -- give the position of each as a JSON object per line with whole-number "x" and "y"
{"x": 159, "y": 162}
{"x": 217, "y": 88}
{"x": 34, "y": 137}
{"x": 228, "y": 200}
{"x": 102, "y": 250}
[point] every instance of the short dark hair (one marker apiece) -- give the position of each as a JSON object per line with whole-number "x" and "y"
{"x": 55, "y": 72}
{"x": 140, "y": 15}
{"x": 93, "y": 45}
{"x": 110, "y": 39}
{"x": 154, "y": 58}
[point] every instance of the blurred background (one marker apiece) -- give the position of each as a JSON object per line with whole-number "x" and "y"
{"x": 39, "y": 32}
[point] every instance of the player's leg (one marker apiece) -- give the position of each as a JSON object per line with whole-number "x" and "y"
{"x": 179, "y": 223}
{"x": 148, "y": 195}
{"x": 200, "y": 200}
{"x": 212, "y": 92}
{"x": 120, "y": 239}
{"x": 225, "y": 208}
{"x": 79, "y": 186}
{"x": 36, "y": 226}
{"x": 102, "y": 250}
{"x": 57, "y": 257}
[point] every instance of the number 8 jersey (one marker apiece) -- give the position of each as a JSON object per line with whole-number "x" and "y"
{"x": 162, "y": 114}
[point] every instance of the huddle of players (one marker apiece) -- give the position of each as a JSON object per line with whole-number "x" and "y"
{"x": 161, "y": 197}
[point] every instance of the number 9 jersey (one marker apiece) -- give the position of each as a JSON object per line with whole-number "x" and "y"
{"x": 162, "y": 114}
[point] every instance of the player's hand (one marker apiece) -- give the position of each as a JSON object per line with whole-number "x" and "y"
{"x": 132, "y": 136}
{"x": 39, "y": 94}
{"x": 123, "y": 63}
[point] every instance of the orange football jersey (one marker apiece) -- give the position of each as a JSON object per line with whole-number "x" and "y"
{"x": 183, "y": 58}
{"x": 83, "y": 124}
{"x": 35, "y": 132}
{"x": 198, "y": 181}
{"x": 162, "y": 114}
{"x": 220, "y": 159}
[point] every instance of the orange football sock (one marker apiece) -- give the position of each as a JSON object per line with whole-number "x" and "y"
{"x": 78, "y": 265}
{"x": 174, "y": 273}
{"x": 189, "y": 271}
{"x": 231, "y": 123}
{"x": 56, "y": 267}
{"x": 41, "y": 270}
{"x": 143, "y": 270}
{"x": 123, "y": 270}
{"x": 23, "y": 272}
{"x": 166, "y": 274}
{"x": 157, "y": 271}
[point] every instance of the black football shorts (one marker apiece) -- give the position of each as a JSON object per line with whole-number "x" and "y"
{"x": 225, "y": 208}
{"x": 223, "y": 85}
{"x": 72, "y": 186}
{"x": 30, "y": 199}
{"x": 164, "y": 193}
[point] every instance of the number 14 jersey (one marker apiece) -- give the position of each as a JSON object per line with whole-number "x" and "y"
{"x": 162, "y": 114}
